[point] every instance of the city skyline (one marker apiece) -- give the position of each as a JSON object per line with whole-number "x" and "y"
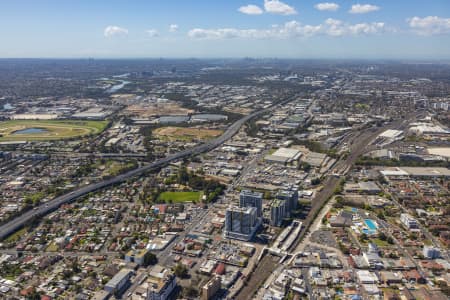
{"x": 374, "y": 29}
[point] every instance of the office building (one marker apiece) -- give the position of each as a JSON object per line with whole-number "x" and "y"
{"x": 291, "y": 198}
{"x": 137, "y": 256}
{"x": 160, "y": 283}
{"x": 241, "y": 223}
{"x": 211, "y": 288}
{"x": 119, "y": 282}
{"x": 251, "y": 199}
{"x": 409, "y": 221}
{"x": 431, "y": 252}
{"x": 277, "y": 212}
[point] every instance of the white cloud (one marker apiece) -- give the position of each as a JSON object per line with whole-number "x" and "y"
{"x": 278, "y": 7}
{"x": 152, "y": 32}
{"x": 111, "y": 31}
{"x": 431, "y": 25}
{"x": 337, "y": 28}
{"x": 173, "y": 28}
{"x": 367, "y": 28}
{"x": 250, "y": 10}
{"x": 363, "y": 8}
{"x": 292, "y": 29}
{"x": 334, "y": 27}
{"x": 329, "y": 6}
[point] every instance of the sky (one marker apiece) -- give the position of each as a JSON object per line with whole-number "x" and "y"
{"x": 334, "y": 29}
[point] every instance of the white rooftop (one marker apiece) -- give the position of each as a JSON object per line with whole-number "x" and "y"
{"x": 391, "y": 133}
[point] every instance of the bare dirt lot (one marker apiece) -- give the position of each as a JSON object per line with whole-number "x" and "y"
{"x": 186, "y": 133}
{"x": 158, "y": 109}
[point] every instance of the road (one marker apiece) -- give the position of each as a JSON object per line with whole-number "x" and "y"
{"x": 61, "y": 253}
{"x": 39, "y": 211}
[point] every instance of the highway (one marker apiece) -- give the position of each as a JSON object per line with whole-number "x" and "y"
{"x": 43, "y": 209}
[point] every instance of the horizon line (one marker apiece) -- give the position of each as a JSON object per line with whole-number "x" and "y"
{"x": 227, "y": 58}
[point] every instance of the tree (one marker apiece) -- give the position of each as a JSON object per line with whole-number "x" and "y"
{"x": 34, "y": 295}
{"x": 190, "y": 292}
{"x": 75, "y": 266}
{"x": 315, "y": 181}
{"x": 363, "y": 237}
{"x": 150, "y": 259}
{"x": 183, "y": 175}
{"x": 180, "y": 271}
{"x": 305, "y": 166}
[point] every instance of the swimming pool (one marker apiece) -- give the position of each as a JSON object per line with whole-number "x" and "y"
{"x": 371, "y": 224}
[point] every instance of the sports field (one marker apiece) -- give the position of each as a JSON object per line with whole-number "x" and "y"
{"x": 179, "y": 197}
{"x": 43, "y": 130}
{"x": 186, "y": 133}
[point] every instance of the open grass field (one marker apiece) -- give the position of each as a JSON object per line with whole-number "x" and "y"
{"x": 16, "y": 235}
{"x": 186, "y": 133}
{"x": 180, "y": 197}
{"x": 48, "y": 129}
{"x": 113, "y": 168}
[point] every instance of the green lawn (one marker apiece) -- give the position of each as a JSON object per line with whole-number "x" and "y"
{"x": 113, "y": 168}
{"x": 380, "y": 243}
{"x": 179, "y": 197}
{"x": 16, "y": 235}
{"x": 52, "y": 247}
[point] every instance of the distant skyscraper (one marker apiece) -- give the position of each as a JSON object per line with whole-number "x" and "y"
{"x": 251, "y": 199}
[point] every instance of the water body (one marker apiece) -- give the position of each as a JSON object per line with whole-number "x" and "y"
{"x": 117, "y": 87}
{"x": 8, "y": 106}
{"x": 371, "y": 224}
{"x": 33, "y": 130}
{"x": 372, "y": 227}
{"x": 122, "y": 75}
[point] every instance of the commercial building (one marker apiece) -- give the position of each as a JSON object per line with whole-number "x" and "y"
{"x": 431, "y": 252}
{"x": 291, "y": 197}
{"x": 388, "y": 277}
{"x": 137, "y": 256}
{"x": 391, "y": 134}
{"x": 285, "y": 203}
{"x": 101, "y": 295}
{"x": 368, "y": 187}
{"x": 284, "y": 156}
{"x": 372, "y": 257}
{"x": 428, "y": 129}
{"x": 211, "y": 288}
{"x": 119, "y": 282}
{"x": 95, "y": 113}
{"x": 241, "y": 223}
{"x": 34, "y": 116}
{"x": 277, "y": 212}
{"x": 416, "y": 172}
{"x": 409, "y": 221}
{"x": 249, "y": 198}
{"x": 160, "y": 283}
{"x": 366, "y": 277}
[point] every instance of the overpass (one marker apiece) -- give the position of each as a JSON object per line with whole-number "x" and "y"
{"x": 43, "y": 209}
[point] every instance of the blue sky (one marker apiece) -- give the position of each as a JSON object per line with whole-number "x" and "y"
{"x": 397, "y": 29}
